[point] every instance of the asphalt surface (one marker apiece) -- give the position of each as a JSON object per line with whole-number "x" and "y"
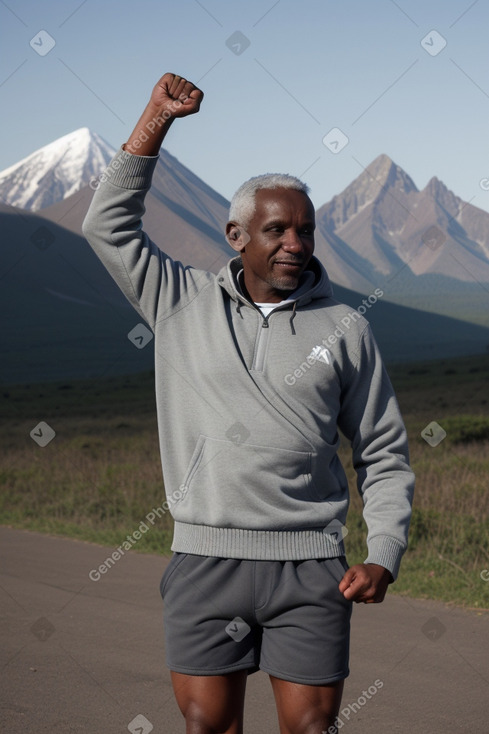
{"x": 88, "y": 656}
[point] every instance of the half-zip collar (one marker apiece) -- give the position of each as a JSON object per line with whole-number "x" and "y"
{"x": 314, "y": 283}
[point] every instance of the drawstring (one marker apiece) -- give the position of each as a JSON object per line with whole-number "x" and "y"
{"x": 238, "y": 308}
{"x": 292, "y": 319}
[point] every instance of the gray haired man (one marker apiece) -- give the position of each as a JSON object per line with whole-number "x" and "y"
{"x": 258, "y": 579}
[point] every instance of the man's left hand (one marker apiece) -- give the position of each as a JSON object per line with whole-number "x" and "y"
{"x": 365, "y": 582}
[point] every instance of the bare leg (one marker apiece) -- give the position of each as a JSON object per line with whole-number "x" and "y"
{"x": 306, "y": 709}
{"x": 211, "y": 704}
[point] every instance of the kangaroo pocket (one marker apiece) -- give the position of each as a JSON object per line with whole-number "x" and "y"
{"x": 244, "y": 485}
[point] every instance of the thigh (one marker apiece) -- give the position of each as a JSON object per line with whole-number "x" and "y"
{"x": 303, "y": 708}
{"x": 209, "y": 630}
{"x": 211, "y": 703}
{"x": 306, "y": 624}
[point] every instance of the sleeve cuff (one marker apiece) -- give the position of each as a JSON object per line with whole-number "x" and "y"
{"x": 129, "y": 171}
{"x": 387, "y": 552}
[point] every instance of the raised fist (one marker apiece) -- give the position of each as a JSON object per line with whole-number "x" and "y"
{"x": 174, "y": 96}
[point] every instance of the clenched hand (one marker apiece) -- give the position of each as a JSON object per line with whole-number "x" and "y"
{"x": 365, "y": 582}
{"x": 175, "y": 95}
{"x": 172, "y": 97}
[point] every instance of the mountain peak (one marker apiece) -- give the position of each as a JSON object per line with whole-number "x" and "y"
{"x": 435, "y": 186}
{"x": 437, "y": 190}
{"x": 381, "y": 165}
{"x": 56, "y": 170}
{"x": 384, "y": 172}
{"x": 369, "y": 187}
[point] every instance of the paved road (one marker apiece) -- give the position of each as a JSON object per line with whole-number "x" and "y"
{"x": 87, "y": 656}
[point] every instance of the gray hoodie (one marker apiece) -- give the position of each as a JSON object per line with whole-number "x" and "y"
{"x": 249, "y": 407}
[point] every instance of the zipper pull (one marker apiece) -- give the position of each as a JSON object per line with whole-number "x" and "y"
{"x": 264, "y": 324}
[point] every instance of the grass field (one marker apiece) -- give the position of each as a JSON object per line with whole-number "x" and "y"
{"x": 100, "y": 476}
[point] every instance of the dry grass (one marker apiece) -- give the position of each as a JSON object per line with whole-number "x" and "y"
{"x": 101, "y": 475}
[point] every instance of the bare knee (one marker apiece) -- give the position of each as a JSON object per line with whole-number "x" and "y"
{"x": 305, "y": 709}
{"x": 201, "y": 720}
{"x": 211, "y": 704}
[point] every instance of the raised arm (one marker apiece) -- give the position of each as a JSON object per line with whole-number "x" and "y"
{"x": 153, "y": 282}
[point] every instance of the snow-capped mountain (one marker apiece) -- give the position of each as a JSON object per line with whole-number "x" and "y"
{"x": 55, "y": 171}
{"x": 64, "y": 316}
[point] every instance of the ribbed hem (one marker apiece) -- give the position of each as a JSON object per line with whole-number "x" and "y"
{"x": 387, "y": 552}
{"x": 259, "y": 545}
{"x": 130, "y": 171}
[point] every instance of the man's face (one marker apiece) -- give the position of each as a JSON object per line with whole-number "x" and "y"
{"x": 281, "y": 243}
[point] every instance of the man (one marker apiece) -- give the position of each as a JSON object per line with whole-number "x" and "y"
{"x": 254, "y": 376}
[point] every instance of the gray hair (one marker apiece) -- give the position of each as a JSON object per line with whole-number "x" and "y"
{"x": 243, "y": 203}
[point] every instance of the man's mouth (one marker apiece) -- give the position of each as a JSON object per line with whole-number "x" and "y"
{"x": 288, "y": 263}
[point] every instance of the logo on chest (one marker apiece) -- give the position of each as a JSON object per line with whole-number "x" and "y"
{"x": 318, "y": 354}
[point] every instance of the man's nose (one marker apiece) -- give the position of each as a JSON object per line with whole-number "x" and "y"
{"x": 292, "y": 242}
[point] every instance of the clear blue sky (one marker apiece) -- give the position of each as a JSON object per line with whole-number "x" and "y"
{"x": 310, "y": 66}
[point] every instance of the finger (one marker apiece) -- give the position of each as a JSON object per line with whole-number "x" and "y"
{"x": 184, "y": 89}
{"x": 191, "y": 95}
{"x": 361, "y": 588}
{"x": 347, "y": 579}
{"x": 366, "y": 596}
{"x": 174, "y": 88}
{"x": 355, "y": 591}
{"x": 166, "y": 80}
{"x": 196, "y": 94}
{"x": 187, "y": 89}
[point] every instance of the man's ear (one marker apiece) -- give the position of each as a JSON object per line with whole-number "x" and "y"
{"x": 236, "y": 236}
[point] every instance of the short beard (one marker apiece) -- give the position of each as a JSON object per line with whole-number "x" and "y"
{"x": 284, "y": 283}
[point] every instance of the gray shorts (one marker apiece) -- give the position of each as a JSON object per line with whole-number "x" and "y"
{"x": 287, "y": 618}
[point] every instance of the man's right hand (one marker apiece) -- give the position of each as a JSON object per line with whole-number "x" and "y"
{"x": 176, "y": 96}
{"x": 172, "y": 97}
